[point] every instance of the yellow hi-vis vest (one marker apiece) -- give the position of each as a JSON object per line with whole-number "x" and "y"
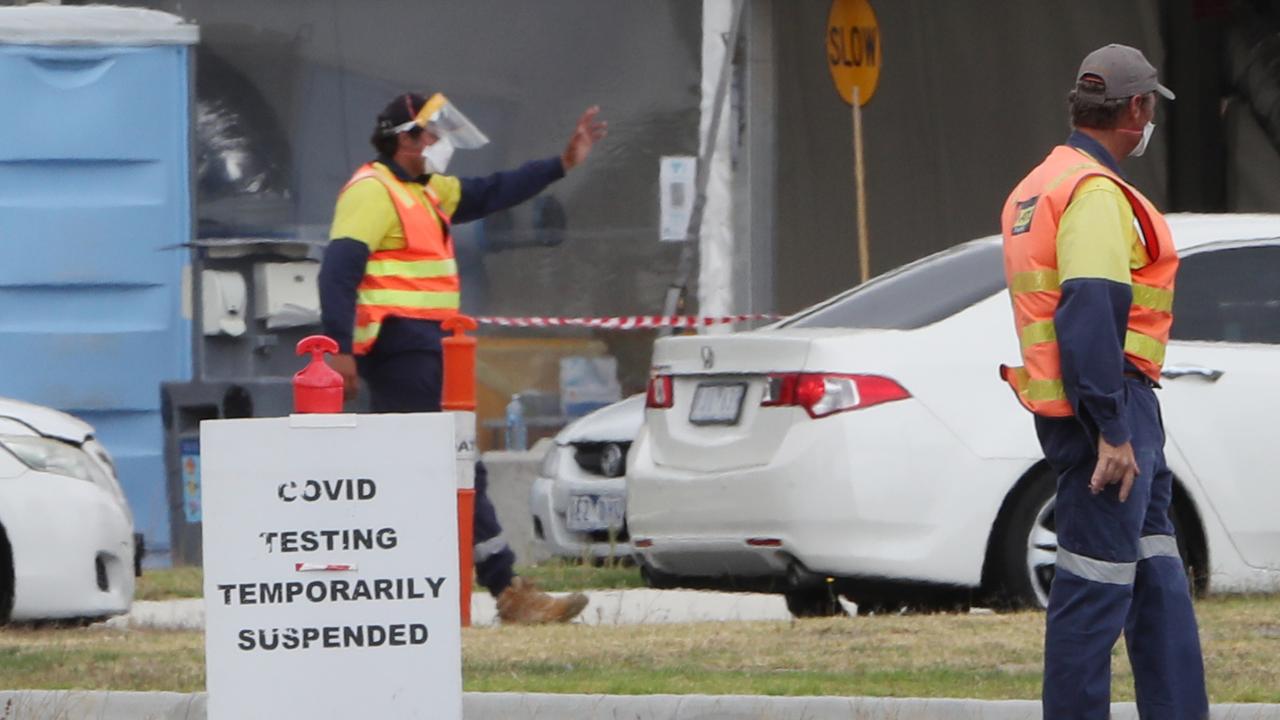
{"x": 418, "y": 281}
{"x": 1029, "y": 224}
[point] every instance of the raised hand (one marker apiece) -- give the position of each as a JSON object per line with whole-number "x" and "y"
{"x": 586, "y": 134}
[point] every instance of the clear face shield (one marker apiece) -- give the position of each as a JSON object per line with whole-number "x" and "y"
{"x": 453, "y": 130}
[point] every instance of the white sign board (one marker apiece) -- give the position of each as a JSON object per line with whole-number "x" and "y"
{"x": 677, "y": 183}
{"x": 331, "y": 567}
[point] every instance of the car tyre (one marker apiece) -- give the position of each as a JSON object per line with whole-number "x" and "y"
{"x": 1020, "y": 560}
{"x": 813, "y": 602}
{"x": 1190, "y": 535}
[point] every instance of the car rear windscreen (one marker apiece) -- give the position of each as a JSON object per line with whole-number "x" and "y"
{"x": 916, "y": 295}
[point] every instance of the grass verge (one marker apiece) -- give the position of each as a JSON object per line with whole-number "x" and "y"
{"x": 979, "y": 656}
{"x": 170, "y": 584}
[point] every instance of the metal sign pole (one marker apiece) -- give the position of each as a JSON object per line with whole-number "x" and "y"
{"x": 860, "y": 186}
{"x": 674, "y": 300}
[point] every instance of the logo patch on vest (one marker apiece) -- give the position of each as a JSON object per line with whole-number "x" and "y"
{"x": 1022, "y": 221}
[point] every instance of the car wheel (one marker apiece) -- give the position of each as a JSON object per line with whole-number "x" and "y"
{"x": 1025, "y": 547}
{"x": 1186, "y": 527}
{"x": 811, "y": 602}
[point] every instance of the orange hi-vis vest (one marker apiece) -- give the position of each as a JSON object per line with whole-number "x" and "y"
{"x": 419, "y": 280}
{"x": 1029, "y": 224}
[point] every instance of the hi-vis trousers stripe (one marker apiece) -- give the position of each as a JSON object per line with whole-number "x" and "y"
{"x": 1158, "y": 546}
{"x": 482, "y": 551}
{"x": 1117, "y": 573}
{"x": 1101, "y": 571}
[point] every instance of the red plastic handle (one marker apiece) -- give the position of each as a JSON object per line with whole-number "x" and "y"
{"x": 459, "y": 324}
{"x": 317, "y": 345}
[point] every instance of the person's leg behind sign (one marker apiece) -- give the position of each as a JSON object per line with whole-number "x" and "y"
{"x": 411, "y": 382}
{"x": 1161, "y": 634}
{"x": 1093, "y": 582}
{"x": 519, "y": 599}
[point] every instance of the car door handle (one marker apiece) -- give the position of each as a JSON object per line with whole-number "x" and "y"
{"x": 1177, "y": 371}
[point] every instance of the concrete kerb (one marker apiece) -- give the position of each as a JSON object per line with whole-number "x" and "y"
{"x": 76, "y": 705}
{"x": 637, "y": 606}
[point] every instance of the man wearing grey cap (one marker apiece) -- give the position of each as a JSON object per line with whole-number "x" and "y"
{"x": 1090, "y": 264}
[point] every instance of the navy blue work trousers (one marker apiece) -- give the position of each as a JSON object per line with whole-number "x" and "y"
{"x": 1118, "y": 570}
{"x": 410, "y": 381}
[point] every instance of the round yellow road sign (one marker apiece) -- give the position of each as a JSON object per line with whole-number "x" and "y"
{"x": 853, "y": 48}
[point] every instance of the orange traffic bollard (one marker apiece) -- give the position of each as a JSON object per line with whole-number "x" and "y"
{"x": 458, "y": 395}
{"x": 459, "y": 391}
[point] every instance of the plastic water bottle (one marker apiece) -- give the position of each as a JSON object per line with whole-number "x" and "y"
{"x": 517, "y": 436}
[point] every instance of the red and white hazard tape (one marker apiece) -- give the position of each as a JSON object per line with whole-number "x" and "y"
{"x": 323, "y": 567}
{"x": 626, "y": 322}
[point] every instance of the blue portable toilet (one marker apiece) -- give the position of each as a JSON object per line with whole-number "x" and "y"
{"x": 95, "y": 218}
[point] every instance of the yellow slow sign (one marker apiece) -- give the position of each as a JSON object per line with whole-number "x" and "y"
{"x": 853, "y": 48}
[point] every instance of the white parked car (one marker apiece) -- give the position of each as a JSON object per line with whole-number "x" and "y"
{"x": 867, "y": 447}
{"x": 67, "y": 546}
{"x": 579, "y": 497}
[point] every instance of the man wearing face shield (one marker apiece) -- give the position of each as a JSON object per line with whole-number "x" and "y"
{"x": 389, "y": 278}
{"x": 1090, "y": 264}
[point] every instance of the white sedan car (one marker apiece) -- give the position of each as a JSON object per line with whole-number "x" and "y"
{"x": 867, "y": 447}
{"x": 67, "y": 546}
{"x": 579, "y": 497}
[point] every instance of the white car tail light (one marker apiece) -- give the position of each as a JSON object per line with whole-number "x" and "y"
{"x": 823, "y": 394}
{"x": 659, "y": 394}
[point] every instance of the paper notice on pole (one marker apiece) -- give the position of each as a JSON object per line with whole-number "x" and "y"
{"x": 677, "y": 184}
{"x": 331, "y": 567}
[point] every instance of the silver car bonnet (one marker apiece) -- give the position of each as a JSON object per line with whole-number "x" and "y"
{"x": 619, "y": 422}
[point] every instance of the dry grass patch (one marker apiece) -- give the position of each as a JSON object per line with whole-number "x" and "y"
{"x": 957, "y": 656}
{"x": 98, "y": 658}
{"x": 1241, "y": 641}
{"x": 978, "y": 655}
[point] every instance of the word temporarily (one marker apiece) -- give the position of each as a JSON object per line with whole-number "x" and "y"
{"x": 290, "y": 541}
{"x": 394, "y": 635}
{"x": 316, "y": 490}
{"x": 319, "y": 591}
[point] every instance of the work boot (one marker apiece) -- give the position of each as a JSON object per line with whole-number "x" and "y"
{"x": 522, "y": 603}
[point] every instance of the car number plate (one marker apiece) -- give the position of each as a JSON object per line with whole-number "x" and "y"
{"x": 717, "y": 404}
{"x": 595, "y": 512}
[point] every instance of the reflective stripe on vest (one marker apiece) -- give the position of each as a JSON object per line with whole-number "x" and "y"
{"x": 418, "y": 281}
{"x": 1030, "y": 227}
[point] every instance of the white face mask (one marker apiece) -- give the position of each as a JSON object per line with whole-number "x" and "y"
{"x": 437, "y": 155}
{"x": 1141, "y": 147}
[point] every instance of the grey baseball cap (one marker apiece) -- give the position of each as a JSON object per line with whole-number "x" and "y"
{"x": 1124, "y": 72}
